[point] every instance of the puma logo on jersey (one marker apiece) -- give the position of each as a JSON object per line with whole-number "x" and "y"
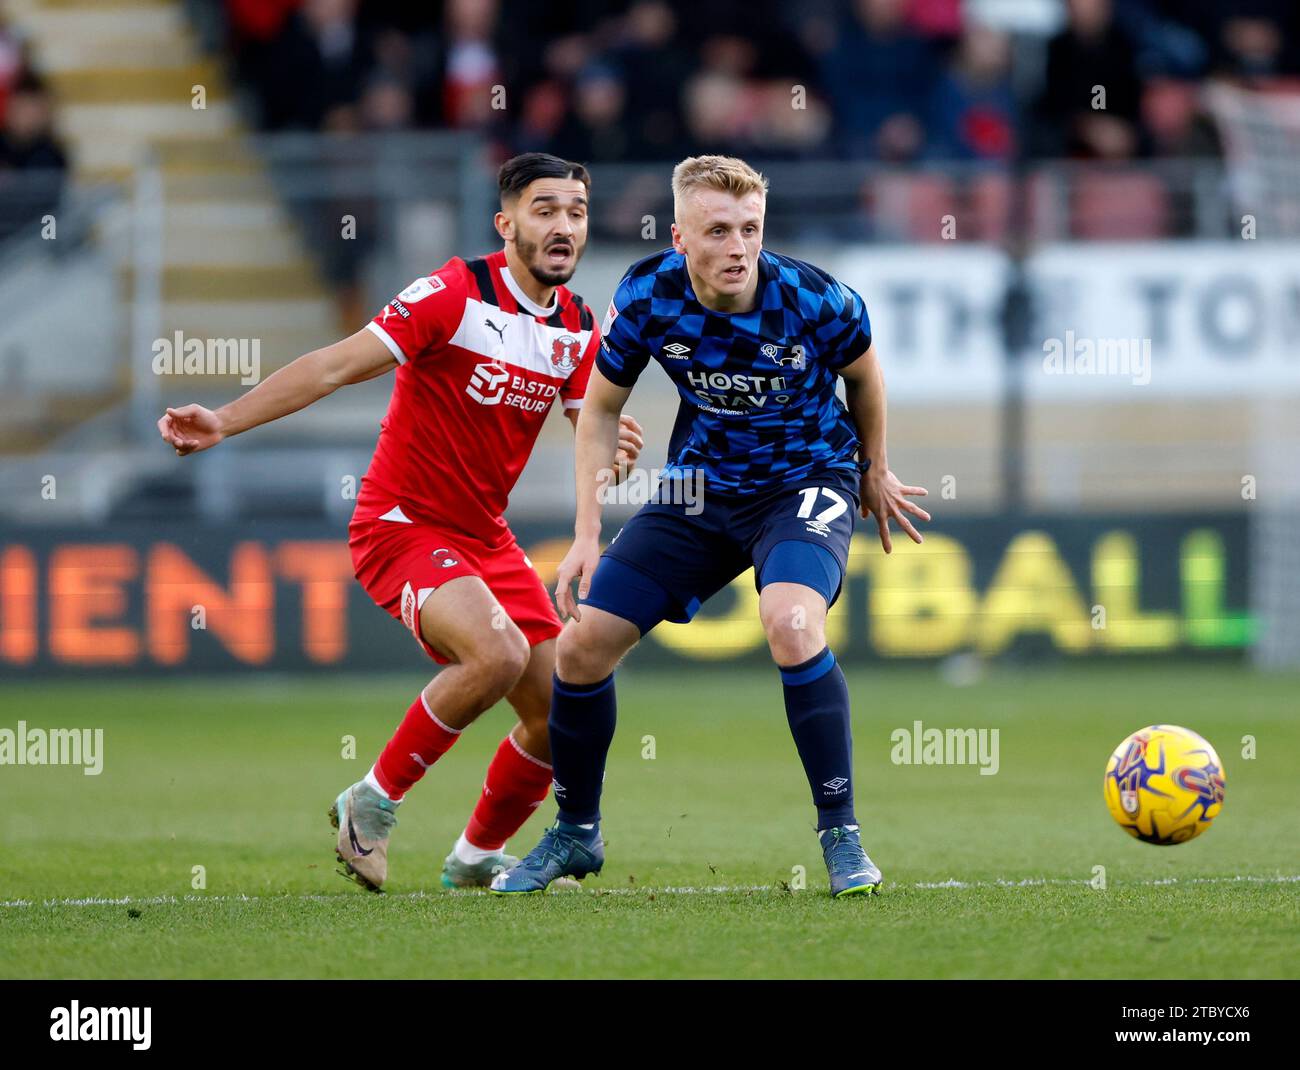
{"x": 501, "y": 331}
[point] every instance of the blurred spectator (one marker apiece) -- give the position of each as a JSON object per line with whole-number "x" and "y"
{"x": 596, "y": 128}
{"x": 386, "y": 104}
{"x": 1164, "y": 47}
{"x": 736, "y": 105}
{"x": 11, "y": 63}
{"x": 936, "y": 18}
{"x": 1246, "y": 38}
{"x": 472, "y": 66}
{"x": 973, "y": 113}
{"x": 885, "y": 80}
{"x": 1092, "y": 93}
{"x": 259, "y": 20}
{"x": 879, "y": 74}
{"x": 32, "y": 164}
{"x": 654, "y": 65}
{"x": 1253, "y": 47}
{"x": 1175, "y": 122}
{"x": 544, "y": 110}
{"x": 315, "y": 68}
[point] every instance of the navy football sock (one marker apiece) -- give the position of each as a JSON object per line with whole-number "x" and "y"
{"x": 581, "y": 727}
{"x": 817, "y": 707}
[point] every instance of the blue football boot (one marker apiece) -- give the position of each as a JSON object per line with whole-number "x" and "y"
{"x": 851, "y": 871}
{"x": 564, "y": 851}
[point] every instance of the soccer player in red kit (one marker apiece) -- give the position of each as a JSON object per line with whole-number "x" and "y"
{"x": 483, "y": 349}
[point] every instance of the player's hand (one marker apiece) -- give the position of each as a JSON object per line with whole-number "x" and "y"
{"x": 883, "y": 497}
{"x": 630, "y": 441}
{"x": 190, "y": 429}
{"x": 578, "y": 564}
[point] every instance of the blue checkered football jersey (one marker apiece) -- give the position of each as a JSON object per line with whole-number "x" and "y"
{"x": 758, "y": 403}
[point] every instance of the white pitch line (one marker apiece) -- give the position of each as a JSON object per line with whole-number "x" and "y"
{"x": 716, "y": 889}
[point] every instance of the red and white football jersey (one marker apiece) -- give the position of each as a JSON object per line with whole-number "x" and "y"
{"x": 480, "y": 367}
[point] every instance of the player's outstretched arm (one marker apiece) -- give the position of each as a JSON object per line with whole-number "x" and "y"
{"x": 598, "y": 439}
{"x": 311, "y": 377}
{"x": 883, "y": 496}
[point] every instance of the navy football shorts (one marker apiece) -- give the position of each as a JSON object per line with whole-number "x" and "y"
{"x": 665, "y": 562}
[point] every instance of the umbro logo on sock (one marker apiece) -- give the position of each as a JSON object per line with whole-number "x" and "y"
{"x": 836, "y": 785}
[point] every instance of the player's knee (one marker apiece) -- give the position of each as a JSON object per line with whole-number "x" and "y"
{"x": 794, "y": 633}
{"x": 498, "y": 661}
{"x": 580, "y": 658}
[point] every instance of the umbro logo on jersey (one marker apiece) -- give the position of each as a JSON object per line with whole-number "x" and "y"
{"x": 677, "y": 351}
{"x": 819, "y": 527}
{"x": 487, "y": 384}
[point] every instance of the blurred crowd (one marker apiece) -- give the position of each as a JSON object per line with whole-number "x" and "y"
{"x": 32, "y": 163}
{"x": 892, "y": 80}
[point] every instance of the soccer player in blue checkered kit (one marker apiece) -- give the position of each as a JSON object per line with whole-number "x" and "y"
{"x": 755, "y": 344}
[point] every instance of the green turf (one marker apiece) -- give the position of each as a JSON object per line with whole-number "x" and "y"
{"x": 236, "y": 777}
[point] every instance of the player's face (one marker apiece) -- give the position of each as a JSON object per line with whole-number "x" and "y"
{"x": 550, "y": 228}
{"x": 721, "y": 235}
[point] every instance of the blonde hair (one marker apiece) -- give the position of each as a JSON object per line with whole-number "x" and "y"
{"x": 726, "y": 173}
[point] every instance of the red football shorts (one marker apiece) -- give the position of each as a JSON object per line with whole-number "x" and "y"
{"x": 400, "y": 565}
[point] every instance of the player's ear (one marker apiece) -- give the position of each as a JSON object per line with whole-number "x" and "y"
{"x": 505, "y": 226}
{"x": 677, "y": 239}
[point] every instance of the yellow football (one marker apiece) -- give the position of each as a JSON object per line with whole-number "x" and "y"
{"x": 1164, "y": 784}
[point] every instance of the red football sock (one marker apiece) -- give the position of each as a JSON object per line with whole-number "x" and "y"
{"x": 420, "y": 740}
{"x": 516, "y": 785}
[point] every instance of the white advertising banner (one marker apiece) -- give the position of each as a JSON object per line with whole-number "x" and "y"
{"x": 1186, "y": 318}
{"x": 935, "y": 316}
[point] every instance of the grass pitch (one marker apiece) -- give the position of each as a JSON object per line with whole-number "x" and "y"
{"x": 986, "y": 876}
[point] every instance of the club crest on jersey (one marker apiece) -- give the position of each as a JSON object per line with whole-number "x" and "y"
{"x": 794, "y": 359}
{"x": 564, "y": 353}
{"x": 443, "y": 558}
